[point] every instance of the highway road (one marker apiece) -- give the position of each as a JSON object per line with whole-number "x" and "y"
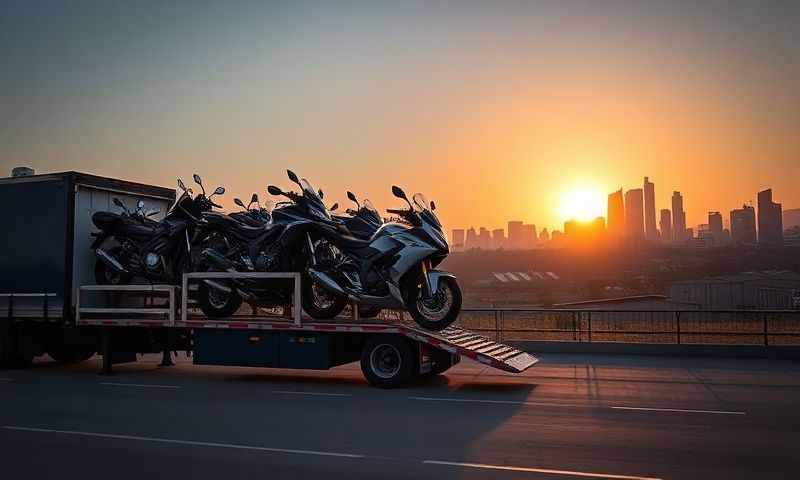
{"x": 568, "y": 417}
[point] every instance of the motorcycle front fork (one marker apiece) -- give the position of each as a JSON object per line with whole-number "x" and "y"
{"x": 426, "y": 266}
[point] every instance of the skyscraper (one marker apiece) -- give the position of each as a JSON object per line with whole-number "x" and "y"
{"x": 528, "y": 236}
{"x": 514, "y": 235}
{"x": 616, "y": 214}
{"x": 472, "y": 240}
{"x": 666, "y": 225}
{"x": 634, "y": 213}
{"x": 715, "y": 227}
{"x": 498, "y": 238}
{"x": 484, "y": 239}
{"x": 743, "y": 225}
{"x": 650, "y": 210}
{"x": 678, "y": 217}
{"x": 458, "y": 239}
{"x": 770, "y": 223}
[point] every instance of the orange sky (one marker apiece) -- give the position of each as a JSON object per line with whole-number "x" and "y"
{"x": 493, "y": 111}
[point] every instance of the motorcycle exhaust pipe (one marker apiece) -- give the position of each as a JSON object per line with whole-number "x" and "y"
{"x": 110, "y": 261}
{"x": 326, "y": 281}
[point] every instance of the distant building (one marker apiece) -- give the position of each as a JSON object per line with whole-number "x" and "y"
{"x": 634, "y": 213}
{"x": 715, "y": 227}
{"x": 471, "y": 240}
{"x": 484, "y": 239}
{"x": 498, "y": 238}
{"x": 650, "y": 210}
{"x": 791, "y": 218}
{"x": 616, "y": 214}
{"x": 770, "y": 223}
{"x": 544, "y": 236}
{"x": 666, "y": 225}
{"x": 791, "y": 237}
{"x": 743, "y": 225}
{"x": 458, "y": 239}
{"x": 679, "y": 232}
{"x": 528, "y": 236}
{"x": 514, "y": 235}
{"x": 749, "y": 290}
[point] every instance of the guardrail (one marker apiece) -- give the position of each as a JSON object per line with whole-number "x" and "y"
{"x": 30, "y": 305}
{"x": 704, "y": 327}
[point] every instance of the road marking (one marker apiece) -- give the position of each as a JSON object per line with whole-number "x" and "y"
{"x": 550, "y": 471}
{"x": 680, "y": 410}
{"x": 319, "y": 394}
{"x": 184, "y": 442}
{"x": 503, "y": 402}
{"x": 143, "y": 385}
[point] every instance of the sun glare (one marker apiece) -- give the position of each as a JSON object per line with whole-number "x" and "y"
{"x": 582, "y": 203}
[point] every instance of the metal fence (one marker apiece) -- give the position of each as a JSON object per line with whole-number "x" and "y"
{"x": 703, "y": 327}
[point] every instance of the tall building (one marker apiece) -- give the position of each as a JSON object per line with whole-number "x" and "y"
{"x": 715, "y": 227}
{"x": 770, "y": 223}
{"x": 634, "y": 213}
{"x": 616, "y": 214}
{"x": 528, "y": 236}
{"x": 665, "y": 224}
{"x": 498, "y": 238}
{"x": 514, "y": 235}
{"x": 791, "y": 218}
{"x": 650, "y": 210}
{"x": 484, "y": 239}
{"x": 458, "y": 239}
{"x": 679, "y": 232}
{"x": 544, "y": 236}
{"x": 471, "y": 240}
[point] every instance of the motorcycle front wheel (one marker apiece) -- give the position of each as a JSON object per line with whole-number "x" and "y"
{"x": 319, "y": 303}
{"x": 217, "y": 304}
{"x": 438, "y": 311}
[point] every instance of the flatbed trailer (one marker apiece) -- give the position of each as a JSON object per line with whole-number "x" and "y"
{"x": 71, "y": 318}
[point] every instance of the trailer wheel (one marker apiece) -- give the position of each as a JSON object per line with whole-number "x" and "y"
{"x": 388, "y": 361}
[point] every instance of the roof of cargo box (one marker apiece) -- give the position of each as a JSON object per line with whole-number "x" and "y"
{"x": 97, "y": 181}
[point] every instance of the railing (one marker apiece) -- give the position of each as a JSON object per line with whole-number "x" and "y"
{"x": 143, "y": 303}
{"x": 711, "y": 327}
{"x": 30, "y": 305}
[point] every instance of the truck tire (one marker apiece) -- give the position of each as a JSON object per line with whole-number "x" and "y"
{"x": 388, "y": 361}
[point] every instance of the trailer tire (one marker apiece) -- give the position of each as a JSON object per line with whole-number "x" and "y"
{"x": 388, "y": 361}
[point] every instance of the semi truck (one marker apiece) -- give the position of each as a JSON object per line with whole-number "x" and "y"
{"x": 50, "y": 303}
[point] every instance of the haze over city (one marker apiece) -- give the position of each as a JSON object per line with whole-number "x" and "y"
{"x": 496, "y": 111}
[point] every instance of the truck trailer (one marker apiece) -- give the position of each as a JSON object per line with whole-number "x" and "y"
{"x": 50, "y": 304}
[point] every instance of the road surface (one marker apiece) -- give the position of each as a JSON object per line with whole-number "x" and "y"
{"x": 568, "y": 417}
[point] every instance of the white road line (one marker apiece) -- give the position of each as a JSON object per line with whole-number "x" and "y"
{"x": 679, "y": 410}
{"x": 143, "y": 385}
{"x": 503, "y": 402}
{"x": 549, "y": 471}
{"x": 319, "y": 394}
{"x": 184, "y": 442}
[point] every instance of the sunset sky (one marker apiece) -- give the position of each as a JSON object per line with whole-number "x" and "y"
{"x": 493, "y": 109}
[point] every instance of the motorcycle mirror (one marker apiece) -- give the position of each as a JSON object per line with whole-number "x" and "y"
{"x": 254, "y": 198}
{"x": 398, "y": 192}
{"x": 219, "y": 191}
{"x": 140, "y": 204}
{"x": 293, "y": 177}
{"x": 353, "y": 198}
{"x": 273, "y": 190}
{"x": 334, "y": 207}
{"x": 321, "y": 194}
{"x": 181, "y": 185}
{"x": 239, "y": 202}
{"x": 433, "y": 206}
{"x": 197, "y": 179}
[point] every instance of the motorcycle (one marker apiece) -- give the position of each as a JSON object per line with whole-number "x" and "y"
{"x": 281, "y": 245}
{"x": 254, "y": 217}
{"x": 393, "y": 268}
{"x": 132, "y": 245}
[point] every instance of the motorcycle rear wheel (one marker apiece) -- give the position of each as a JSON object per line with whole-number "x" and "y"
{"x": 217, "y": 304}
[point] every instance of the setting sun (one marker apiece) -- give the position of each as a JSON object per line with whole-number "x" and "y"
{"x": 582, "y": 203}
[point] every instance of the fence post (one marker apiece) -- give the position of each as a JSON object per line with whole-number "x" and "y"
{"x": 678, "y": 325}
{"x": 766, "y": 330}
{"x": 589, "y": 322}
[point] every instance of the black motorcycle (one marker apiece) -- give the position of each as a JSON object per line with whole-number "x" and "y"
{"x": 134, "y": 246}
{"x": 281, "y": 245}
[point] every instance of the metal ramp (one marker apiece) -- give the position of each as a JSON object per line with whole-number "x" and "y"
{"x": 477, "y": 347}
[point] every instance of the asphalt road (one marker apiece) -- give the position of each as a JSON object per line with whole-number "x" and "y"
{"x": 567, "y": 417}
